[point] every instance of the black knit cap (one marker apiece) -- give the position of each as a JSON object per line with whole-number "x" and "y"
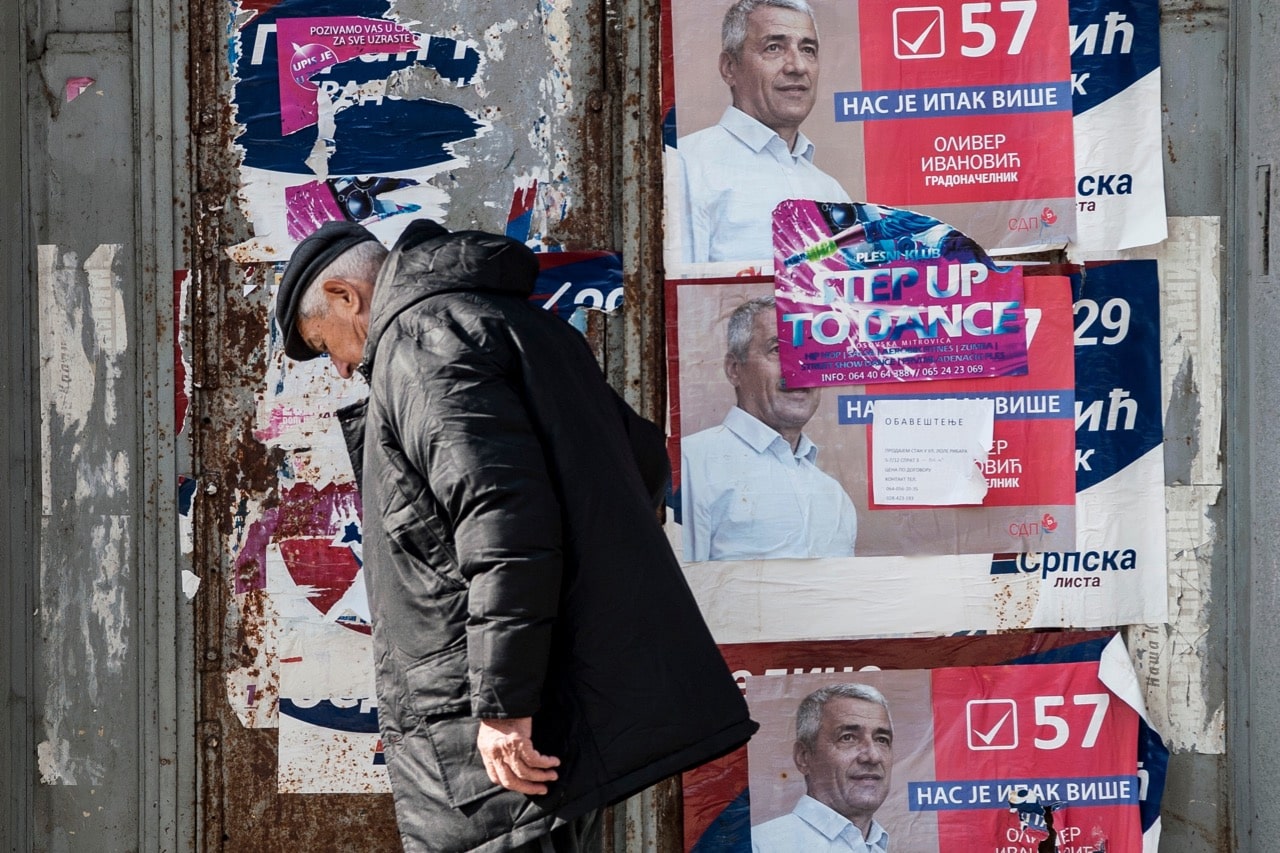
{"x": 308, "y": 260}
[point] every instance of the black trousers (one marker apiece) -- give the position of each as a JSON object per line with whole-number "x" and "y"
{"x": 578, "y": 836}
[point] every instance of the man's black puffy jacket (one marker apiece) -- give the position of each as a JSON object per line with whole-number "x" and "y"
{"x": 514, "y": 562}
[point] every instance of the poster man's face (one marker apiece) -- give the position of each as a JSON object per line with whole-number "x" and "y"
{"x": 775, "y": 78}
{"x": 758, "y": 382}
{"x": 848, "y": 767}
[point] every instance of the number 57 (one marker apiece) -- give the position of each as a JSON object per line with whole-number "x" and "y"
{"x": 987, "y": 34}
{"x": 1061, "y": 729}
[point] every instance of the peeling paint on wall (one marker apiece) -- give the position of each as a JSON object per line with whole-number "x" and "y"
{"x": 181, "y": 367}
{"x": 494, "y": 49}
{"x": 1172, "y": 659}
{"x": 106, "y": 308}
{"x": 66, "y": 371}
{"x": 558, "y": 84}
{"x": 108, "y": 604}
{"x": 85, "y": 613}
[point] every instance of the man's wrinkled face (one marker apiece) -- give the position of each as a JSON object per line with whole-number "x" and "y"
{"x": 758, "y": 382}
{"x": 775, "y": 78}
{"x": 339, "y": 333}
{"x": 847, "y": 769}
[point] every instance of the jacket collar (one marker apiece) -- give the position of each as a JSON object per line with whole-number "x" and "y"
{"x": 428, "y": 261}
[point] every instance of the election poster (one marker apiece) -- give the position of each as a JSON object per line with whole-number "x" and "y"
{"x": 1119, "y": 458}
{"x": 992, "y": 743}
{"x": 962, "y": 112}
{"x": 1113, "y": 571}
{"x": 742, "y": 497}
{"x": 1115, "y": 81}
{"x": 954, "y": 760}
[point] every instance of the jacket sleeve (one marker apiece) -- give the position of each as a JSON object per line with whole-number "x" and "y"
{"x": 464, "y": 426}
{"x": 648, "y": 447}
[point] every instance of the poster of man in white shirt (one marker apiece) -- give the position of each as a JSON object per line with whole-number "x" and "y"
{"x": 751, "y": 487}
{"x": 829, "y": 767}
{"x": 726, "y": 178}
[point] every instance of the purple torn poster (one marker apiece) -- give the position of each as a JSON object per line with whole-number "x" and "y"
{"x": 866, "y": 293}
{"x": 306, "y": 47}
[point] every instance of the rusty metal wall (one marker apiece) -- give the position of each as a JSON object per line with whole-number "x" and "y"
{"x": 570, "y": 89}
{"x": 612, "y": 177}
{"x": 107, "y": 711}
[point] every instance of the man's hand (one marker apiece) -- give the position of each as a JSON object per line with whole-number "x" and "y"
{"x": 510, "y": 759}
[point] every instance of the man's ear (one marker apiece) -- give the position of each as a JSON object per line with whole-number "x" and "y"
{"x": 731, "y": 368}
{"x": 800, "y": 755}
{"x": 342, "y": 294}
{"x": 727, "y": 66}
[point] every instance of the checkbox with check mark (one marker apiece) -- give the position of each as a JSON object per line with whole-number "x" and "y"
{"x": 917, "y": 32}
{"x": 992, "y": 724}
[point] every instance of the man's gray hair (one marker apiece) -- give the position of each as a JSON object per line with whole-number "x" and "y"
{"x": 733, "y": 32}
{"x": 742, "y": 323}
{"x": 809, "y": 714}
{"x": 359, "y": 263}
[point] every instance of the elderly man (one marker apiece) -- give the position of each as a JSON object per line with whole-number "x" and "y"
{"x": 730, "y": 177}
{"x": 538, "y": 653}
{"x": 750, "y": 487}
{"x": 844, "y": 749}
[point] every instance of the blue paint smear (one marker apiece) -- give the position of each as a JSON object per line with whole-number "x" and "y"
{"x": 370, "y": 138}
{"x": 518, "y": 228}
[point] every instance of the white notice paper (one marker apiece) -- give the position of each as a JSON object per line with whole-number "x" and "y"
{"x": 931, "y": 452}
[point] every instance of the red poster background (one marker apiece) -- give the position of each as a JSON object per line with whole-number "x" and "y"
{"x": 1043, "y": 140}
{"x": 986, "y": 728}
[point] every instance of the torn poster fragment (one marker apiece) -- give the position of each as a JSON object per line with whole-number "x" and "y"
{"x": 190, "y": 584}
{"x": 325, "y": 133}
{"x": 308, "y": 47}
{"x": 568, "y": 281}
{"x": 328, "y": 723}
{"x": 1115, "y": 99}
{"x": 76, "y": 87}
{"x": 330, "y": 746}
